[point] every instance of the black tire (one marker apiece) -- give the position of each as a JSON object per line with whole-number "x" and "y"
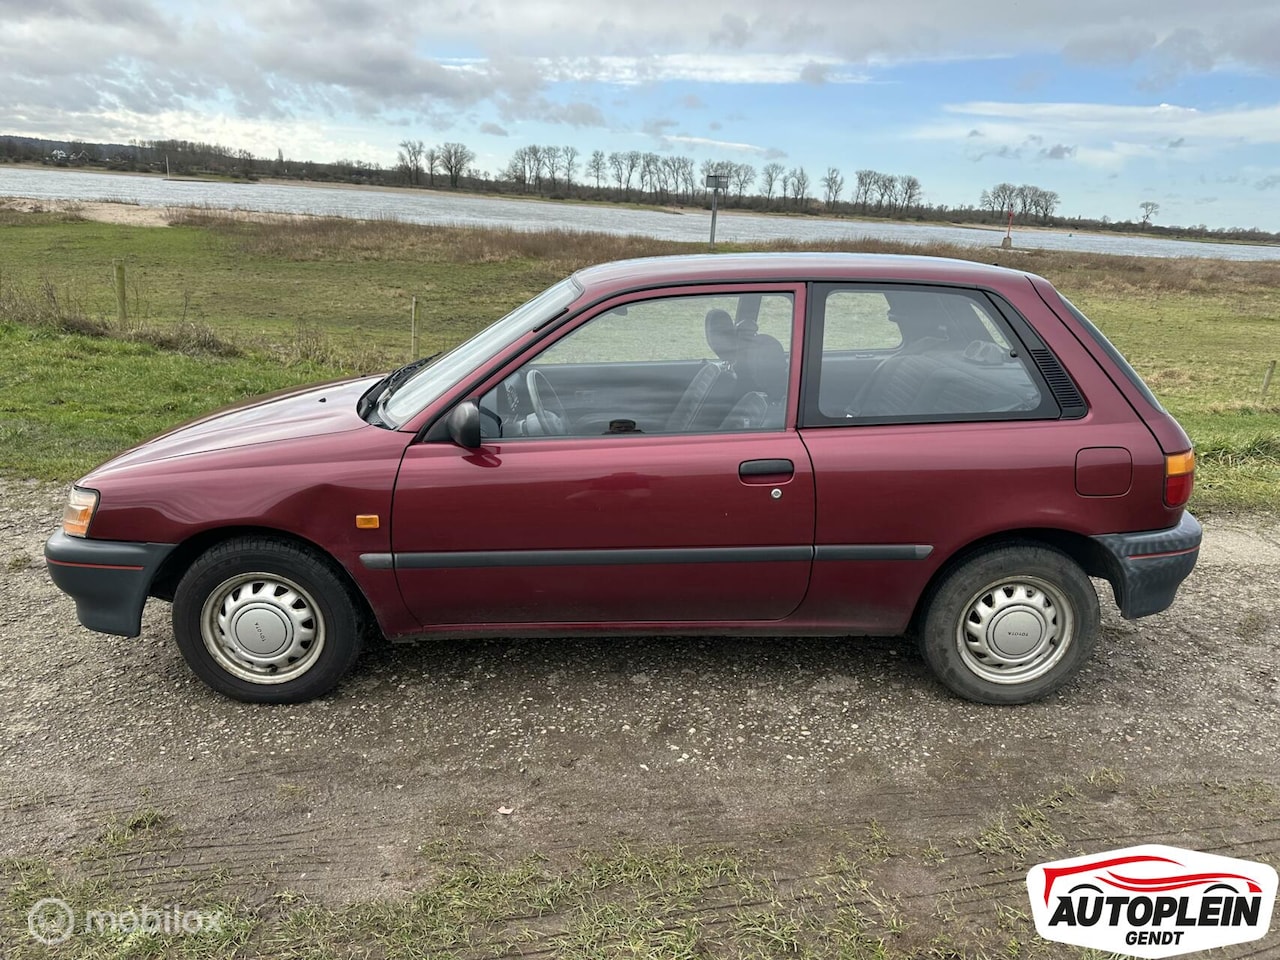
{"x": 281, "y": 624}
{"x": 1011, "y": 624}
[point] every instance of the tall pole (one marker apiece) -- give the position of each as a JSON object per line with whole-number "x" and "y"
{"x": 715, "y": 193}
{"x": 413, "y": 329}
{"x": 1007, "y": 242}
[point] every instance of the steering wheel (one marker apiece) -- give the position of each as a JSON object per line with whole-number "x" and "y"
{"x": 552, "y": 419}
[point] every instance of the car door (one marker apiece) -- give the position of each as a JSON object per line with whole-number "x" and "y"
{"x": 953, "y": 436}
{"x": 642, "y": 497}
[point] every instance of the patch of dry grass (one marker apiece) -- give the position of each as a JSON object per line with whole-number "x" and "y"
{"x": 389, "y": 239}
{"x": 304, "y": 238}
{"x": 44, "y": 306}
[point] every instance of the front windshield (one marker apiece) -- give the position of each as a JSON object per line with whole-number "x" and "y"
{"x": 431, "y": 382}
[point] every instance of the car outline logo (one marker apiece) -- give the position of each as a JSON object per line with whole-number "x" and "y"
{"x": 1152, "y": 901}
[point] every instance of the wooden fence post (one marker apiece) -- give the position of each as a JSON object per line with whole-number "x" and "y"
{"x": 413, "y": 329}
{"x": 122, "y": 303}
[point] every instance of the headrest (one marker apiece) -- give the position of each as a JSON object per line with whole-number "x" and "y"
{"x": 763, "y": 366}
{"x": 986, "y": 353}
{"x": 722, "y": 338}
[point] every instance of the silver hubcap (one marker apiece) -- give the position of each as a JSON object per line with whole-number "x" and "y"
{"x": 1015, "y": 630}
{"x": 262, "y": 627}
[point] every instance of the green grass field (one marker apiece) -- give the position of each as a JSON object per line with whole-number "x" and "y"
{"x": 221, "y": 307}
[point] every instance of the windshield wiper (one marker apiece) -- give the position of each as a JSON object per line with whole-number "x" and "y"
{"x": 388, "y": 384}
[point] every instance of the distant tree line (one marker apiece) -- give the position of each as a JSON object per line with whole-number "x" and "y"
{"x": 561, "y": 172}
{"x": 1026, "y": 202}
{"x": 631, "y": 176}
{"x": 185, "y": 158}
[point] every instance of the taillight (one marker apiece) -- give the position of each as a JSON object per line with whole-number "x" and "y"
{"x": 1179, "y": 477}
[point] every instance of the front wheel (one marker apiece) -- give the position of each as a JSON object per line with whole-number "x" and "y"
{"x": 1011, "y": 625}
{"x": 265, "y": 621}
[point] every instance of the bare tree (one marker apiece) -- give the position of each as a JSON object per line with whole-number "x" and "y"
{"x": 1149, "y": 209}
{"x": 410, "y": 160}
{"x": 799, "y": 181}
{"x": 650, "y": 172}
{"x": 631, "y": 163}
{"x": 551, "y": 157}
{"x": 1025, "y": 195}
{"x": 671, "y": 168}
{"x": 686, "y": 177}
{"x": 1003, "y": 196}
{"x": 517, "y": 169}
{"x": 618, "y": 164}
{"x": 431, "y": 163}
{"x": 1045, "y": 203}
{"x": 455, "y": 158}
{"x": 833, "y": 184}
{"x": 886, "y": 189}
{"x": 908, "y": 192}
{"x": 596, "y": 167}
{"x": 537, "y": 166}
{"x": 568, "y": 163}
{"x": 864, "y": 186}
{"x": 769, "y": 177}
{"x": 719, "y": 168}
{"x": 743, "y": 176}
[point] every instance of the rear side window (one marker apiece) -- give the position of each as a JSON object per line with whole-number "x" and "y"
{"x": 889, "y": 354}
{"x": 859, "y": 320}
{"x": 1112, "y": 353}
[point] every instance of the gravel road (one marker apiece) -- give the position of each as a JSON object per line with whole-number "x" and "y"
{"x": 1171, "y": 734}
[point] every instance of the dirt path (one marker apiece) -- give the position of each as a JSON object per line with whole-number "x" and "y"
{"x": 793, "y": 750}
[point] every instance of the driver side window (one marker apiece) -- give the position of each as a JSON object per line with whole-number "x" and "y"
{"x": 669, "y": 365}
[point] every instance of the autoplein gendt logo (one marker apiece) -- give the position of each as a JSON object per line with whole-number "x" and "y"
{"x": 1152, "y": 901}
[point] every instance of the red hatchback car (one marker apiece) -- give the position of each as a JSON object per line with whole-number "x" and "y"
{"x": 780, "y": 444}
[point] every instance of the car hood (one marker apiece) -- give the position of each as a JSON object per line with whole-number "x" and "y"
{"x": 290, "y": 414}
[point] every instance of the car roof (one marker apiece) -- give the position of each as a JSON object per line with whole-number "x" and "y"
{"x": 720, "y": 268}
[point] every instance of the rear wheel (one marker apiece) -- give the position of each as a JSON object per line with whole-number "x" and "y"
{"x": 1011, "y": 625}
{"x": 266, "y": 621}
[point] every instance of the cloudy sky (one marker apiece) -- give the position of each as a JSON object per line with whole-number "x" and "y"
{"x": 1108, "y": 102}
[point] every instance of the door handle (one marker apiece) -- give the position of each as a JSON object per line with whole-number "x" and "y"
{"x": 766, "y": 468}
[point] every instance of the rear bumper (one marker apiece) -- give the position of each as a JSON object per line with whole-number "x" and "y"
{"x": 107, "y": 579}
{"x": 1146, "y": 569}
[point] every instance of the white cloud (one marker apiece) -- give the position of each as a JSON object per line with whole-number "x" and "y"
{"x": 720, "y": 144}
{"x": 703, "y": 68}
{"x": 1100, "y": 135}
{"x": 384, "y": 60}
{"x": 299, "y": 139}
{"x": 1250, "y": 124}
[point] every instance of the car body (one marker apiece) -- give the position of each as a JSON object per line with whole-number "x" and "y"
{"x": 778, "y": 444}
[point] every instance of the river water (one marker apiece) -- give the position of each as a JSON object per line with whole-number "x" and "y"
{"x": 450, "y": 208}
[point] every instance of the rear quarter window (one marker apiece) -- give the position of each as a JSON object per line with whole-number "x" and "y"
{"x": 1116, "y": 357}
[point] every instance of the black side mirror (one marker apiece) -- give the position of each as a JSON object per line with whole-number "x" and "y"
{"x": 464, "y": 425}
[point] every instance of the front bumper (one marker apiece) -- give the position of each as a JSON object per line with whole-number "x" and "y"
{"x": 107, "y": 579}
{"x": 1146, "y": 569}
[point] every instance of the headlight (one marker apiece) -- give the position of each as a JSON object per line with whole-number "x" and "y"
{"x": 79, "y": 511}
